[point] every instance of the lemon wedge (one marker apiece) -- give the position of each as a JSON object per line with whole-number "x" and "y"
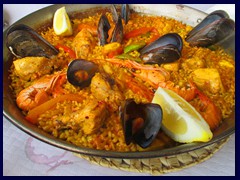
{"x": 61, "y": 23}
{"x": 181, "y": 121}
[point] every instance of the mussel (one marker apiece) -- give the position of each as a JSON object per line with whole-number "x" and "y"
{"x": 80, "y": 72}
{"x": 104, "y": 25}
{"x": 165, "y": 49}
{"x": 141, "y": 122}
{"x": 103, "y": 28}
{"x": 22, "y": 41}
{"x": 214, "y": 28}
{"x": 125, "y": 12}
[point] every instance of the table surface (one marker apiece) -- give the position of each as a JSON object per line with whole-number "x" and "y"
{"x": 24, "y": 155}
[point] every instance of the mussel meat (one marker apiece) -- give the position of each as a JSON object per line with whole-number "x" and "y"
{"x": 165, "y": 49}
{"x": 22, "y": 41}
{"x": 141, "y": 122}
{"x": 80, "y": 72}
{"x": 214, "y": 28}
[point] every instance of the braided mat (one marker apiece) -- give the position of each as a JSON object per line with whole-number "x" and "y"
{"x": 159, "y": 165}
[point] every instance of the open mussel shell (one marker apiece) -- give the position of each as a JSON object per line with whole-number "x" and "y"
{"x": 103, "y": 28}
{"x": 80, "y": 72}
{"x": 214, "y": 16}
{"x": 149, "y": 113}
{"x": 22, "y": 41}
{"x": 114, "y": 12}
{"x": 117, "y": 35}
{"x": 214, "y": 28}
{"x": 165, "y": 49}
{"x": 125, "y": 12}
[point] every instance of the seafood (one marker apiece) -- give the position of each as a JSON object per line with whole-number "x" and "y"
{"x": 22, "y": 41}
{"x": 97, "y": 92}
{"x": 103, "y": 28}
{"x": 165, "y": 49}
{"x": 40, "y": 91}
{"x": 188, "y": 92}
{"x": 116, "y": 34}
{"x": 217, "y": 26}
{"x": 141, "y": 122}
{"x": 32, "y": 67}
{"x": 80, "y": 72}
{"x": 125, "y": 12}
{"x": 108, "y": 34}
{"x": 154, "y": 76}
{"x": 209, "y": 111}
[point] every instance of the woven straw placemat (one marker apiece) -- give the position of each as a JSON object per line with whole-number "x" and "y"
{"x": 159, "y": 165}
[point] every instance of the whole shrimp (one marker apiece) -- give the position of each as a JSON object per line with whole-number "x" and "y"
{"x": 40, "y": 91}
{"x": 154, "y": 76}
{"x": 209, "y": 111}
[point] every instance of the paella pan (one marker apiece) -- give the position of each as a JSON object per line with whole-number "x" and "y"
{"x": 116, "y": 79}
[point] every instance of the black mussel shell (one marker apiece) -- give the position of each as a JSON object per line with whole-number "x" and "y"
{"x": 103, "y": 28}
{"x": 125, "y": 12}
{"x": 165, "y": 49}
{"x": 80, "y": 72}
{"x": 114, "y": 13}
{"x": 160, "y": 55}
{"x": 23, "y": 41}
{"x": 214, "y": 28}
{"x": 214, "y": 16}
{"x": 150, "y": 113}
{"x": 117, "y": 35}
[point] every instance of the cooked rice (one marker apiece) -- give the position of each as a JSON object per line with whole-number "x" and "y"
{"x": 58, "y": 122}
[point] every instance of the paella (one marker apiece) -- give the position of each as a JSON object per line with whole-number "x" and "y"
{"x": 94, "y": 83}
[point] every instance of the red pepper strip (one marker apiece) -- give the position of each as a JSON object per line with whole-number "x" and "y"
{"x": 116, "y": 52}
{"x": 137, "y": 32}
{"x": 67, "y": 49}
{"x": 155, "y": 35}
{"x": 33, "y": 114}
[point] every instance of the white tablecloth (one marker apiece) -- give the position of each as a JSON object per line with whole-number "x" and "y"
{"x": 24, "y": 155}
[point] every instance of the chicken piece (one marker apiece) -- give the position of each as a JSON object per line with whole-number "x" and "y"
{"x": 226, "y": 64}
{"x": 91, "y": 117}
{"x": 32, "y": 67}
{"x": 83, "y": 43}
{"x": 104, "y": 89}
{"x": 193, "y": 63}
{"x": 208, "y": 79}
{"x": 171, "y": 66}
